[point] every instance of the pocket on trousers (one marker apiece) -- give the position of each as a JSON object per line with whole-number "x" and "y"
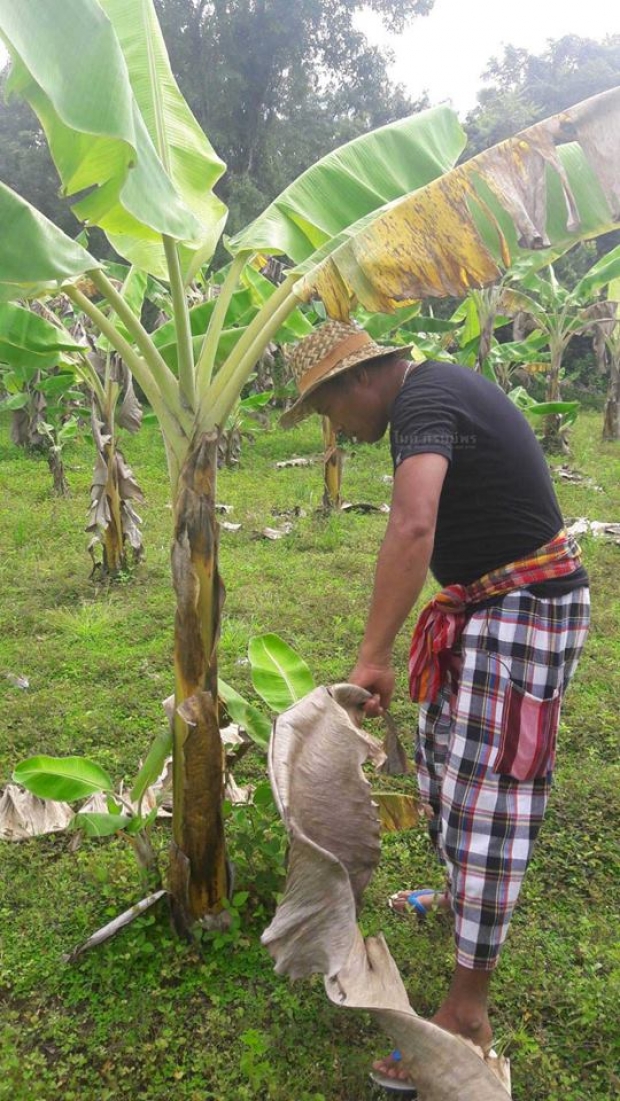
{"x": 528, "y": 737}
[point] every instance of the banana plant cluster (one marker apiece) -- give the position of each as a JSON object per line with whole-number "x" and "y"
{"x": 383, "y": 222}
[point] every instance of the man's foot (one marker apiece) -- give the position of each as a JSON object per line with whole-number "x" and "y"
{"x": 391, "y": 1066}
{"x": 419, "y": 903}
{"x": 471, "y": 1024}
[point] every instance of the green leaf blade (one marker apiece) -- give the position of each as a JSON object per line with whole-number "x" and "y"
{"x": 279, "y": 675}
{"x": 63, "y": 779}
{"x": 99, "y": 824}
{"x": 256, "y": 725}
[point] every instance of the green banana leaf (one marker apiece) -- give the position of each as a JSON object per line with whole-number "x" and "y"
{"x": 466, "y": 228}
{"x": 62, "y": 778}
{"x": 146, "y": 174}
{"x": 29, "y": 340}
{"x": 279, "y": 675}
{"x": 353, "y": 181}
{"x": 256, "y": 725}
{"x": 600, "y": 275}
{"x": 35, "y": 255}
{"x": 182, "y": 146}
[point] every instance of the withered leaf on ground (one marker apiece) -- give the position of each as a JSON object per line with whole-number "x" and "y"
{"x": 24, "y": 815}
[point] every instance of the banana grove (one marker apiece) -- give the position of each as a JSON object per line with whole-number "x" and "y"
{"x": 382, "y": 222}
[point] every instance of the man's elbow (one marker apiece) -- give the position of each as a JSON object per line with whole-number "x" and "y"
{"x": 412, "y": 529}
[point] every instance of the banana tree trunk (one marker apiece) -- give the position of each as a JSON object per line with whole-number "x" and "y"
{"x": 554, "y": 442}
{"x": 114, "y": 559}
{"x": 57, "y": 469}
{"x": 332, "y": 468}
{"x": 611, "y": 420}
{"x": 198, "y": 866}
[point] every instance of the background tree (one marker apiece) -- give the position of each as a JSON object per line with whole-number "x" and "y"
{"x": 277, "y": 85}
{"x": 523, "y": 88}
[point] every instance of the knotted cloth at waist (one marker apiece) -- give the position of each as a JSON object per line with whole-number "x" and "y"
{"x": 442, "y": 620}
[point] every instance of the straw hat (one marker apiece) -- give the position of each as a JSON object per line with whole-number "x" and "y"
{"x": 331, "y": 349}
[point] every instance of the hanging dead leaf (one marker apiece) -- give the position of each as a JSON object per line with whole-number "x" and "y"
{"x": 396, "y": 762}
{"x": 397, "y": 811}
{"x": 316, "y": 755}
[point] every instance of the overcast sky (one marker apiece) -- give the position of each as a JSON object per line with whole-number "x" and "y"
{"x": 447, "y": 51}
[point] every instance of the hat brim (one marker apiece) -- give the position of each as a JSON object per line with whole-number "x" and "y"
{"x": 303, "y": 407}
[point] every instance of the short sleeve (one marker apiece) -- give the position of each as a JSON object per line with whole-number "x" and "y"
{"x": 421, "y": 422}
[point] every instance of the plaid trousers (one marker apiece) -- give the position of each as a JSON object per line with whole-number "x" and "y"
{"x": 485, "y": 754}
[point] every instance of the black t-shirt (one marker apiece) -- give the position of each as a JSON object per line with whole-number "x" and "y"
{"x": 497, "y": 502}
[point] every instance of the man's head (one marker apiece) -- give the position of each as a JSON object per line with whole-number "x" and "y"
{"x": 342, "y": 374}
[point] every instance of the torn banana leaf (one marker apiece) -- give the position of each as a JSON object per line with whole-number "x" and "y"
{"x": 315, "y": 766}
{"x": 24, "y": 815}
{"x": 549, "y": 186}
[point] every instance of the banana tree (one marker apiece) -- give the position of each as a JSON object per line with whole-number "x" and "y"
{"x": 39, "y": 391}
{"x": 558, "y": 315}
{"x": 607, "y": 350}
{"x": 383, "y": 221}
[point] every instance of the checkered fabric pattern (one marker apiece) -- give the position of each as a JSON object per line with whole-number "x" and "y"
{"x": 495, "y": 721}
{"x": 441, "y": 621}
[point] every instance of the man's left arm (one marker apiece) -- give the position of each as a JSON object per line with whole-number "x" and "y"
{"x": 401, "y": 570}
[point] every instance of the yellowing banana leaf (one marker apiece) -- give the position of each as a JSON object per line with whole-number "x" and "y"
{"x": 352, "y": 181}
{"x": 550, "y": 186}
{"x": 35, "y": 255}
{"x": 397, "y": 810}
{"x": 68, "y": 63}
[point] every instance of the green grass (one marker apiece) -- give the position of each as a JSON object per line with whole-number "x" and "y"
{"x": 145, "y": 1018}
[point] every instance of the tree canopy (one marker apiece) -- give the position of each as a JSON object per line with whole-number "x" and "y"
{"x": 523, "y": 88}
{"x": 277, "y": 85}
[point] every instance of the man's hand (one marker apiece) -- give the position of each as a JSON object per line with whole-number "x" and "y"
{"x": 378, "y": 679}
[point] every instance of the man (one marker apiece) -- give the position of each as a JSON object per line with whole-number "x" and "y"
{"x": 492, "y": 654}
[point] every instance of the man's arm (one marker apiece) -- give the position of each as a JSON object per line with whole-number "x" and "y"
{"x": 402, "y": 566}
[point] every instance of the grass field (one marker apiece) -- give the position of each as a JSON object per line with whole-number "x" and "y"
{"x": 145, "y": 1018}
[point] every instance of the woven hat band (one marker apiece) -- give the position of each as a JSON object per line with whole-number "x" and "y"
{"x": 342, "y": 350}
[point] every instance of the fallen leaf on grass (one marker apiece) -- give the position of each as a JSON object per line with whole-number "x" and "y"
{"x": 602, "y": 529}
{"x": 295, "y": 462}
{"x": 113, "y": 926}
{"x": 569, "y": 475}
{"x": 223, "y": 508}
{"x": 296, "y": 511}
{"x": 363, "y": 506}
{"x": 226, "y": 526}
{"x": 24, "y": 815}
{"x": 17, "y": 680}
{"x": 275, "y": 533}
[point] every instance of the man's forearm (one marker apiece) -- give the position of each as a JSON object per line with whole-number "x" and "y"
{"x": 402, "y": 566}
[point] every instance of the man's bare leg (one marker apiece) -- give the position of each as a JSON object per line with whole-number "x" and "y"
{"x": 465, "y": 1010}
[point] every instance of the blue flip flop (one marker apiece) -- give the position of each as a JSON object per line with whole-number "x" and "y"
{"x": 412, "y": 900}
{"x": 394, "y": 1085}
